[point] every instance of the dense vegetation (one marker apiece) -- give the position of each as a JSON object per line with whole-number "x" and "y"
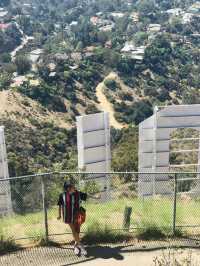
{"x": 80, "y": 43}
{"x": 42, "y": 147}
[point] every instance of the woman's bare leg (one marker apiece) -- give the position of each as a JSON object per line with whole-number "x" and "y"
{"x": 75, "y": 234}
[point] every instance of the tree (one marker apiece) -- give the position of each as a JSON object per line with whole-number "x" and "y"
{"x": 158, "y": 54}
{"x": 140, "y": 111}
{"x": 176, "y": 25}
{"x": 146, "y": 6}
{"x": 23, "y": 64}
{"x": 6, "y": 58}
{"x": 165, "y": 4}
{"x": 91, "y": 109}
{"x": 102, "y": 37}
{"x": 140, "y": 37}
{"x": 5, "y": 80}
{"x": 125, "y": 152}
{"x": 135, "y": 113}
{"x": 111, "y": 84}
{"x": 191, "y": 97}
{"x": 4, "y": 3}
{"x": 25, "y": 24}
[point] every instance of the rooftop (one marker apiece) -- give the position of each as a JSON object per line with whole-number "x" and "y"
{"x": 4, "y": 26}
{"x": 187, "y": 18}
{"x": 154, "y": 27}
{"x": 3, "y": 13}
{"x": 52, "y": 74}
{"x": 133, "y": 51}
{"x": 74, "y": 23}
{"x": 134, "y": 16}
{"x": 107, "y": 27}
{"x": 35, "y": 54}
{"x": 175, "y": 11}
{"x": 117, "y": 14}
{"x": 129, "y": 46}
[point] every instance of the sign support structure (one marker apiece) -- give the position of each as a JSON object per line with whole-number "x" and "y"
{"x": 94, "y": 155}
{"x": 154, "y": 146}
{"x": 5, "y": 191}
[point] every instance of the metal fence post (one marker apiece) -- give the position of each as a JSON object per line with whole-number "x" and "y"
{"x": 175, "y": 204}
{"x": 44, "y": 209}
{"x": 127, "y": 218}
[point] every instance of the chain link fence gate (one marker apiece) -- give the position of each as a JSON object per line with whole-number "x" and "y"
{"x": 35, "y": 211}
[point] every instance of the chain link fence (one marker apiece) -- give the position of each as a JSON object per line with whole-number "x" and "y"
{"x": 113, "y": 205}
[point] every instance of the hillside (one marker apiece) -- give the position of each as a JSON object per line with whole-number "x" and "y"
{"x": 24, "y": 110}
{"x": 60, "y": 59}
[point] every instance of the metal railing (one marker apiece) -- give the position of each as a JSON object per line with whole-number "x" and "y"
{"x": 34, "y": 204}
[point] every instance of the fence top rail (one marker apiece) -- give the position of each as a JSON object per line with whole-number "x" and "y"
{"x": 102, "y": 173}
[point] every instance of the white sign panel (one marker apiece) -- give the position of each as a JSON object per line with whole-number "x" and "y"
{"x": 5, "y": 195}
{"x": 93, "y": 141}
{"x": 154, "y": 148}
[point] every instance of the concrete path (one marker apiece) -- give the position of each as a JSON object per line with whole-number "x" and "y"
{"x": 150, "y": 258}
{"x": 97, "y": 256}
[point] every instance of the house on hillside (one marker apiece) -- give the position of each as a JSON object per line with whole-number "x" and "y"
{"x": 195, "y": 8}
{"x": 108, "y": 44}
{"x": 133, "y": 52}
{"x": 187, "y": 17}
{"x": 4, "y": 26}
{"x": 99, "y": 14}
{"x": 128, "y": 47}
{"x": 73, "y": 23}
{"x": 76, "y": 56}
{"x": 51, "y": 66}
{"x": 95, "y": 20}
{"x": 134, "y": 16}
{"x": 18, "y": 81}
{"x": 61, "y": 57}
{"x": 3, "y": 14}
{"x": 102, "y": 24}
{"x": 34, "y": 82}
{"x": 108, "y": 27}
{"x": 117, "y": 15}
{"x": 89, "y": 51}
{"x": 175, "y": 11}
{"x": 35, "y": 55}
{"x": 153, "y": 28}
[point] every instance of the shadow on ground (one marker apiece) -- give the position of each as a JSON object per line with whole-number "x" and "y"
{"x": 64, "y": 255}
{"x": 101, "y": 252}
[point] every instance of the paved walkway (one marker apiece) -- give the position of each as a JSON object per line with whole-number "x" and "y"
{"x": 148, "y": 258}
{"x": 129, "y": 255}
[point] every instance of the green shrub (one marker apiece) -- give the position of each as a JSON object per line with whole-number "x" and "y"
{"x": 96, "y": 233}
{"x": 47, "y": 243}
{"x": 150, "y": 232}
{"x": 7, "y": 245}
{"x": 111, "y": 84}
{"x": 91, "y": 187}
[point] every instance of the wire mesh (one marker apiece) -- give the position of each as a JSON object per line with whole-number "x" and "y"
{"x": 24, "y": 220}
{"x": 110, "y": 195}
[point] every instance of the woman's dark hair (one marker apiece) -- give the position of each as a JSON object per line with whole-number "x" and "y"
{"x": 68, "y": 184}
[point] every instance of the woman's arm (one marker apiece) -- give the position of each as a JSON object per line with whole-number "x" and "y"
{"x": 85, "y": 196}
{"x": 60, "y": 206}
{"x": 59, "y": 212}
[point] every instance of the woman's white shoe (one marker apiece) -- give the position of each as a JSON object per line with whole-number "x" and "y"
{"x": 83, "y": 250}
{"x": 77, "y": 250}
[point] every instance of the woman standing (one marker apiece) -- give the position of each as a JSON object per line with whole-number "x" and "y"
{"x": 73, "y": 214}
